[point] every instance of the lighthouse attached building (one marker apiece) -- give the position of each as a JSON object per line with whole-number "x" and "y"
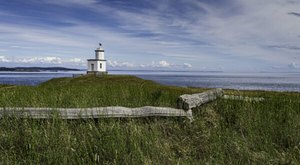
{"x": 97, "y": 65}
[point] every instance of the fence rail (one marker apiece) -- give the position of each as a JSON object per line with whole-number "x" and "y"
{"x": 97, "y": 112}
{"x": 185, "y": 103}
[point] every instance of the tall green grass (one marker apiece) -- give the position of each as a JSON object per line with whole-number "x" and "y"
{"x": 92, "y": 91}
{"x": 223, "y": 131}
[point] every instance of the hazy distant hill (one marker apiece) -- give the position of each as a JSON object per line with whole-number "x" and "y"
{"x": 37, "y": 69}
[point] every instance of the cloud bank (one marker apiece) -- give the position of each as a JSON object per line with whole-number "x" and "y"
{"x": 57, "y": 61}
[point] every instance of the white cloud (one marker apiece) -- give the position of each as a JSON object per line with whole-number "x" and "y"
{"x": 159, "y": 64}
{"x": 153, "y": 65}
{"x": 80, "y": 62}
{"x": 40, "y": 60}
{"x": 187, "y": 65}
{"x": 249, "y": 31}
{"x": 163, "y": 64}
{"x": 21, "y": 47}
{"x": 116, "y": 64}
{"x": 77, "y": 60}
{"x": 293, "y": 65}
{"x": 4, "y": 59}
{"x": 54, "y": 60}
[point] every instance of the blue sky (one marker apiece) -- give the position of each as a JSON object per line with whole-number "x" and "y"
{"x": 225, "y": 35}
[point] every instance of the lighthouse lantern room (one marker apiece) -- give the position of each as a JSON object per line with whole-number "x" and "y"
{"x": 97, "y": 65}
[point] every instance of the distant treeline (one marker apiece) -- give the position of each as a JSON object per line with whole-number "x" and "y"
{"x": 37, "y": 69}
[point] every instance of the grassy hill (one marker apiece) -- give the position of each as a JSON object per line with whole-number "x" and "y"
{"x": 223, "y": 132}
{"x": 91, "y": 91}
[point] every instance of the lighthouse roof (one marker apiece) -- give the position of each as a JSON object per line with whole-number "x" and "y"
{"x": 99, "y": 48}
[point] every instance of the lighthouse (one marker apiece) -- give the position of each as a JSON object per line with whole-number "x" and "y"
{"x": 97, "y": 65}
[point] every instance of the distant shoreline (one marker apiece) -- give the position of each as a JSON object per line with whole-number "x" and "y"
{"x": 37, "y": 69}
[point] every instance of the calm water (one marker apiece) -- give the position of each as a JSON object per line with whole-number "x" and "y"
{"x": 246, "y": 81}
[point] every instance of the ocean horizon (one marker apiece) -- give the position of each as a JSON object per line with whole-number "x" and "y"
{"x": 267, "y": 81}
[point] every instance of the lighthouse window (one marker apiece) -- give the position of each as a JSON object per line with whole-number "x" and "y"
{"x": 92, "y": 67}
{"x": 100, "y": 66}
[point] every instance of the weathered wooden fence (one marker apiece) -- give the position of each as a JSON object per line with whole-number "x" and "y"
{"x": 185, "y": 103}
{"x": 243, "y": 98}
{"x": 97, "y": 112}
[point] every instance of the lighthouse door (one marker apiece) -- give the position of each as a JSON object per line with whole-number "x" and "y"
{"x": 92, "y": 67}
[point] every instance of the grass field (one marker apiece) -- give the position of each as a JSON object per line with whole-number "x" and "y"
{"x": 223, "y": 131}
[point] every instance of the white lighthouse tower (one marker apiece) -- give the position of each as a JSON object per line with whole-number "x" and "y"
{"x": 97, "y": 65}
